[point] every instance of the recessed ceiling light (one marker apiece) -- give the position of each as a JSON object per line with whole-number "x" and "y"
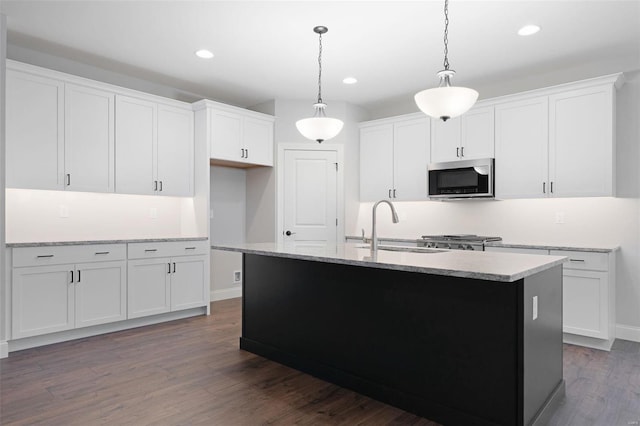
{"x": 204, "y": 54}
{"x": 350, "y": 80}
{"x": 528, "y": 30}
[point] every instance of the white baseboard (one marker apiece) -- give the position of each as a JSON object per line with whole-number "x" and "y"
{"x": 628, "y": 332}
{"x": 227, "y": 293}
{"x": 4, "y": 349}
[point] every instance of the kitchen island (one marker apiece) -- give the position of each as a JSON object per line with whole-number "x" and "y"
{"x": 458, "y": 337}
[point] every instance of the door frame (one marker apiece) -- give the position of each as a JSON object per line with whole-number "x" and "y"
{"x": 339, "y": 150}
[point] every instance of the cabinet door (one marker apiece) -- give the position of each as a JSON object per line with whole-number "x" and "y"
{"x": 34, "y": 132}
{"x": 42, "y": 300}
{"x": 521, "y": 168}
{"x": 446, "y": 139}
{"x": 226, "y": 135}
{"x": 376, "y": 162}
{"x": 410, "y": 159}
{"x": 585, "y": 303}
{"x": 478, "y": 134}
{"x": 101, "y": 293}
{"x": 581, "y": 148}
{"x": 89, "y": 139}
{"x": 175, "y": 151}
{"x": 135, "y": 145}
{"x": 188, "y": 286}
{"x": 258, "y": 141}
{"x": 148, "y": 287}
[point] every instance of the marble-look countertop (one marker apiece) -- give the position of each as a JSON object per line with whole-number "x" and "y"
{"x": 605, "y": 249}
{"x": 491, "y": 266}
{"x": 89, "y": 242}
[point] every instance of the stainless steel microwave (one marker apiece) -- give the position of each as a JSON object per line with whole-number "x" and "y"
{"x": 462, "y": 179}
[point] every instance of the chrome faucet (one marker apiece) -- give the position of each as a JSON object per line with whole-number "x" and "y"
{"x": 394, "y": 218}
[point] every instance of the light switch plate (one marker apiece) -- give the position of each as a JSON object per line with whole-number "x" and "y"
{"x": 64, "y": 211}
{"x": 535, "y": 308}
{"x": 153, "y": 213}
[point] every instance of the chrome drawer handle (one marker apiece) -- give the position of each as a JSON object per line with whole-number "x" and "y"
{"x": 102, "y": 252}
{"x": 40, "y": 256}
{"x": 576, "y": 260}
{"x": 148, "y": 250}
{"x": 189, "y": 248}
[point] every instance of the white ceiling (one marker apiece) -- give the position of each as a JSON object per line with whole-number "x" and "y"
{"x": 267, "y": 50}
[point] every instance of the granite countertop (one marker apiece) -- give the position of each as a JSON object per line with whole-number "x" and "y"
{"x": 491, "y": 266}
{"x": 88, "y": 242}
{"x": 606, "y": 249}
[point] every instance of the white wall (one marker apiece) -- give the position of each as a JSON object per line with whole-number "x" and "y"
{"x": 228, "y": 205}
{"x": 588, "y": 221}
{"x": 35, "y": 216}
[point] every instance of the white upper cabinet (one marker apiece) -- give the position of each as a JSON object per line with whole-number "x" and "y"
{"x": 89, "y": 139}
{"x": 521, "y": 167}
{"x": 393, "y": 159}
{"x": 237, "y": 137}
{"x": 581, "y": 144}
{"x": 154, "y": 148}
{"x": 34, "y": 131}
{"x": 558, "y": 145}
{"x": 69, "y": 133}
{"x": 376, "y": 162}
{"x": 175, "y": 151}
{"x": 136, "y": 124}
{"x": 467, "y": 137}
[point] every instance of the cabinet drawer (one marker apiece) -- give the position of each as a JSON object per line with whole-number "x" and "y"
{"x": 584, "y": 260}
{"x": 167, "y": 249}
{"x": 517, "y": 250}
{"x": 57, "y": 255}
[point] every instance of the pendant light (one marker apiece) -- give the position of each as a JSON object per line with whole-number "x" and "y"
{"x": 319, "y": 127}
{"x": 446, "y": 101}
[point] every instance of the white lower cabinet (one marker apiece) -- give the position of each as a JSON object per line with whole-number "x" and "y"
{"x": 48, "y": 297}
{"x": 167, "y": 277}
{"x": 588, "y": 295}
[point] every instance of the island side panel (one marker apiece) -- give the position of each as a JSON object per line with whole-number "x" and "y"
{"x": 542, "y": 340}
{"x": 444, "y": 347}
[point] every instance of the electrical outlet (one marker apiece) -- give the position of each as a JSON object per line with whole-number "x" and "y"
{"x": 153, "y": 213}
{"x": 211, "y": 214}
{"x": 559, "y": 217}
{"x": 237, "y": 276}
{"x": 64, "y": 211}
{"x": 535, "y": 308}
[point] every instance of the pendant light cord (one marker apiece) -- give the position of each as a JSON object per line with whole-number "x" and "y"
{"x": 320, "y": 70}
{"x": 446, "y": 34}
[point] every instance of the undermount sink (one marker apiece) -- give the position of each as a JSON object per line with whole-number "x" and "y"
{"x": 403, "y": 248}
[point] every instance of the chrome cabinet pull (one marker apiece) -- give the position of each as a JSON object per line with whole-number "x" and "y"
{"x": 174, "y": 267}
{"x": 389, "y": 193}
{"x": 148, "y": 250}
{"x": 78, "y": 275}
{"x": 68, "y": 179}
{"x": 241, "y": 152}
{"x": 576, "y": 260}
{"x": 247, "y": 150}
{"x": 189, "y": 248}
{"x": 102, "y": 252}
{"x": 155, "y": 185}
{"x": 458, "y": 151}
{"x": 544, "y": 187}
{"x": 160, "y": 186}
{"x": 552, "y": 187}
{"x": 41, "y": 256}
{"x": 71, "y": 276}
{"x": 394, "y": 193}
{"x": 169, "y": 271}
{"x": 462, "y": 151}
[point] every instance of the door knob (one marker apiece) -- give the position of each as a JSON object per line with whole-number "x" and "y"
{"x": 289, "y": 233}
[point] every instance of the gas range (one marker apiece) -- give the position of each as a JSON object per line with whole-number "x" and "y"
{"x": 456, "y": 242}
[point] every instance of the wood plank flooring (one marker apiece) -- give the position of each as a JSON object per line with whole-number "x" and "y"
{"x": 191, "y": 372}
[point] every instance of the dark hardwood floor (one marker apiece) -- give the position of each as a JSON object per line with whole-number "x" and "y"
{"x": 191, "y": 372}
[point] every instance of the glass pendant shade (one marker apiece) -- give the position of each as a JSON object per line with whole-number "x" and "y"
{"x": 446, "y": 102}
{"x": 319, "y": 127}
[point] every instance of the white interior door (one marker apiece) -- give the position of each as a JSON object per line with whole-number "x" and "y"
{"x": 310, "y": 197}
